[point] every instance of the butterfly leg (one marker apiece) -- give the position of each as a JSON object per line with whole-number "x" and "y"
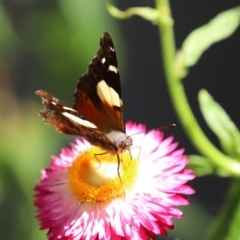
{"x": 118, "y": 167}
{"x": 99, "y": 154}
{"x": 130, "y": 153}
{"x": 118, "y": 171}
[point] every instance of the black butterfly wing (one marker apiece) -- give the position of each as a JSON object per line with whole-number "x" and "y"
{"x": 98, "y": 96}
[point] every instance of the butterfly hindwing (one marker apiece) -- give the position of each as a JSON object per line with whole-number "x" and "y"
{"x": 98, "y": 96}
{"x": 69, "y": 121}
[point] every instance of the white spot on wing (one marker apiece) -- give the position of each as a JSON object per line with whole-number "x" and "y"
{"x": 112, "y": 68}
{"x": 103, "y": 60}
{"x": 69, "y": 109}
{"x": 112, "y": 49}
{"x": 116, "y": 101}
{"x": 108, "y": 94}
{"x": 78, "y": 120}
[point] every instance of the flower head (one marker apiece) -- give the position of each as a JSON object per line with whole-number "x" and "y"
{"x": 88, "y": 194}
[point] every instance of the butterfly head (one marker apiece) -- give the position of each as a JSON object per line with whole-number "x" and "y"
{"x": 121, "y": 141}
{"x": 124, "y": 144}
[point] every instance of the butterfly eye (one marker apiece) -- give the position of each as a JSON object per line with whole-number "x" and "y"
{"x": 125, "y": 144}
{"x": 128, "y": 141}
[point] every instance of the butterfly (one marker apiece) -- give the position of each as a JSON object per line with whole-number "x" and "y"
{"x": 97, "y": 112}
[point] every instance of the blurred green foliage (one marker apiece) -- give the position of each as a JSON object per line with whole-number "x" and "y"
{"x": 43, "y": 45}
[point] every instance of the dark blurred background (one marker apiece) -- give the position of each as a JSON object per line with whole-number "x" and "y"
{"x": 48, "y": 45}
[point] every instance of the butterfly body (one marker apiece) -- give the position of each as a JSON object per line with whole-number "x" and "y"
{"x": 97, "y": 112}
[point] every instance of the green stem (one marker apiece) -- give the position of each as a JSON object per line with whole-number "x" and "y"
{"x": 179, "y": 99}
{"x": 226, "y": 225}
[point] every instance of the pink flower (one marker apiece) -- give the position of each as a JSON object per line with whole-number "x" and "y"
{"x": 84, "y": 196}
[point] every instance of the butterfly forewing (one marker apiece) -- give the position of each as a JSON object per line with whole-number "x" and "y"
{"x": 98, "y": 96}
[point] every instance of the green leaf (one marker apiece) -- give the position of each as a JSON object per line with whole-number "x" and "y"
{"x": 147, "y": 13}
{"x": 221, "y": 124}
{"x": 201, "y": 165}
{"x": 198, "y": 41}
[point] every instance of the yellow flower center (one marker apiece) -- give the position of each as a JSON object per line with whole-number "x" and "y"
{"x": 97, "y": 177}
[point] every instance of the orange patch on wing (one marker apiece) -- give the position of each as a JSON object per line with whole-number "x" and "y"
{"x": 104, "y": 118}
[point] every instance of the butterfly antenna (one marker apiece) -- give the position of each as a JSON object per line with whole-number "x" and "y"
{"x": 168, "y": 126}
{"x": 160, "y": 128}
